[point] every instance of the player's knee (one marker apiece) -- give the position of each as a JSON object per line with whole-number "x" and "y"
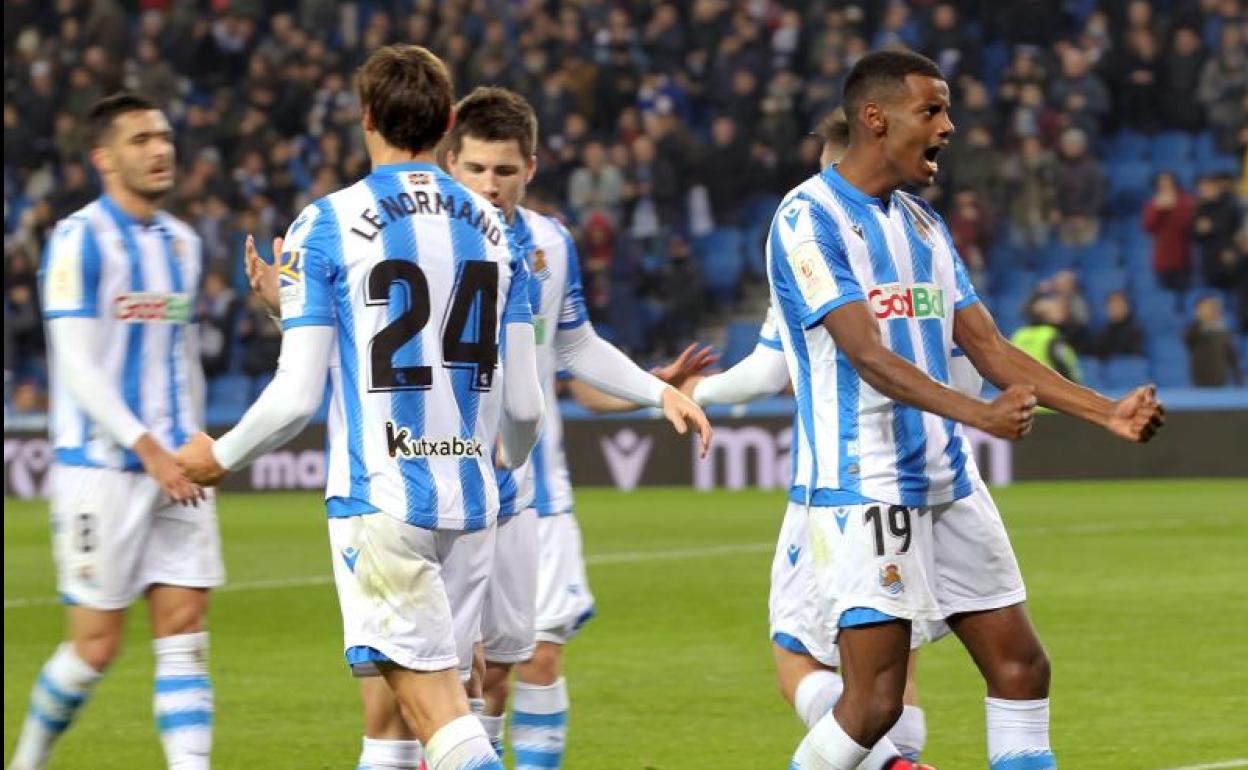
{"x": 1023, "y": 677}
{"x": 873, "y": 711}
{"x": 98, "y": 650}
{"x": 497, "y": 688}
{"x": 545, "y": 667}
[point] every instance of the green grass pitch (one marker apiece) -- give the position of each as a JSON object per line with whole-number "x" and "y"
{"x": 1139, "y": 590}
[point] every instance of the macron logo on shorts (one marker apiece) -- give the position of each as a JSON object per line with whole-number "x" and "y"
{"x": 400, "y": 443}
{"x": 350, "y": 556}
{"x": 794, "y": 552}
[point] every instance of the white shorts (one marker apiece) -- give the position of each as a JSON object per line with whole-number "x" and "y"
{"x": 115, "y": 533}
{"x": 789, "y": 602}
{"x": 564, "y": 602}
{"x": 409, "y": 596}
{"x": 919, "y": 564}
{"x": 507, "y": 623}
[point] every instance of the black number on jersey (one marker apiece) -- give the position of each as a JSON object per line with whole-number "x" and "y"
{"x": 84, "y": 532}
{"x": 898, "y": 526}
{"x": 474, "y": 304}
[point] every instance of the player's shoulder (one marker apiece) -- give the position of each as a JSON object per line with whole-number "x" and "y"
{"x": 177, "y": 228}
{"x": 547, "y": 230}
{"x": 89, "y": 217}
{"x": 918, "y": 206}
{"x": 804, "y": 212}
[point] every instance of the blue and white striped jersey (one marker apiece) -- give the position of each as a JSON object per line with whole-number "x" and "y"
{"x": 139, "y": 281}
{"x": 558, "y": 305}
{"x": 831, "y": 244}
{"x": 417, "y": 275}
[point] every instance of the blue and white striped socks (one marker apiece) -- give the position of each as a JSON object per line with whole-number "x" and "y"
{"x": 183, "y": 700}
{"x": 461, "y": 745}
{"x": 539, "y": 725}
{"x": 63, "y": 686}
{"x": 1018, "y": 735}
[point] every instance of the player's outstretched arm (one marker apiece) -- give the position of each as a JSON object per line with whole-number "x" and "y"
{"x": 74, "y": 347}
{"x": 1135, "y": 417}
{"x": 278, "y": 414}
{"x": 596, "y": 361}
{"x": 760, "y": 374}
{"x": 523, "y": 404}
{"x": 858, "y": 335}
{"x": 679, "y": 373}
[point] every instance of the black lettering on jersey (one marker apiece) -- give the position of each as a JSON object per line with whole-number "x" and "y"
{"x": 445, "y": 204}
{"x": 391, "y": 208}
{"x": 465, "y": 211}
{"x": 371, "y": 217}
{"x": 409, "y": 205}
{"x": 422, "y": 202}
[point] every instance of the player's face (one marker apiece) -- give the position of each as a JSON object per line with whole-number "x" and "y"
{"x": 497, "y": 170}
{"x": 139, "y": 153}
{"x": 918, "y": 129}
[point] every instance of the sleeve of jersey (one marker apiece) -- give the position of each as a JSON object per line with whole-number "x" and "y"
{"x": 71, "y": 272}
{"x": 760, "y": 374}
{"x": 601, "y": 364}
{"x": 286, "y": 404}
{"x": 75, "y": 361}
{"x": 816, "y": 263}
{"x": 310, "y": 252}
{"x": 519, "y": 307}
{"x": 769, "y": 334}
{"x": 573, "y": 313}
{"x": 523, "y": 404}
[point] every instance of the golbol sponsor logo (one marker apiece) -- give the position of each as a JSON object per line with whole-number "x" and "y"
{"x": 400, "y": 443}
{"x": 152, "y": 307}
{"x": 892, "y": 300}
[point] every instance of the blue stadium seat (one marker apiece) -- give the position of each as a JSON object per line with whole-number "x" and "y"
{"x": 1128, "y": 146}
{"x": 722, "y": 260}
{"x": 1091, "y": 369}
{"x": 1204, "y": 146}
{"x": 1017, "y": 282}
{"x": 1218, "y": 164}
{"x": 230, "y": 392}
{"x": 742, "y": 337}
{"x": 1101, "y": 254}
{"x": 1130, "y": 183}
{"x": 259, "y": 384}
{"x": 1124, "y": 372}
{"x": 1168, "y": 360}
{"x": 1172, "y": 148}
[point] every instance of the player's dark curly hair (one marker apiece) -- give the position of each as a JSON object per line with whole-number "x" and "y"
{"x": 102, "y": 114}
{"x": 878, "y": 74}
{"x": 494, "y": 115}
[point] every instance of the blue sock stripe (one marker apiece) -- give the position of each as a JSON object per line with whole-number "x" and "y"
{"x": 545, "y": 759}
{"x": 1027, "y": 759}
{"x": 67, "y": 699}
{"x": 50, "y": 722}
{"x": 525, "y": 719}
{"x": 177, "y": 720}
{"x": 484, "y": 763}
{"x": 167, "y": 684}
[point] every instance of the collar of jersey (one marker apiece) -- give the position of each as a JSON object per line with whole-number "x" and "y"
{"x": 120, "y": 214}
{"x": 842, "y": 185}
{"x": 414, "y": 165}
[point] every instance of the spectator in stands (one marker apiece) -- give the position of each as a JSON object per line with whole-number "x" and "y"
{"x": 1218, "y": 217}
{"x": 1181, "y": 71}
{"x": 1075, "y": 328}
{"x": 975, "y": 109}
{"x": 1042, "y": 337}
{"x": 1223, "y": 86}
{"x": 1121, "y": 335}
{"x": 1032, "y": 176}
{"x": 597, "y": 186}
{"x": 1168, "y": 216}
{"x": 1080, "y": 92}
{"x": 261, "y": 337}
{"x": 679, "y": 292}
{"x": 1211, "y": 347}
{"x": 74, "y": 191}
{"x": 218, "y": 312}
{"x": 1135, "y": 77}
{"x": 972, "y": 230}
{"x": 1081, "y": 190}
{"x": 976, "y": 164}
{"x": 725, "y": 163}
{"x": 948, "y": 43}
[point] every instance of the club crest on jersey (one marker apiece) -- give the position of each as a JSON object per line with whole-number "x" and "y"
{"x": 152, "y": 307}
{"x": 893, "y": 300}
{"x": 419, "y": 178}
{"x": 890, "y": 579}
{"x": 540, "y": 269}
{"x": 814, "y": 279}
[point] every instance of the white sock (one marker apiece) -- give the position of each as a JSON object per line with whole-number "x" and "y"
{"x": 476, "y": 706}
{"x": 461, "y": 745}
{"x": 816, "y": 694}
{"x": 539, "y": 725}
{"x": 828, "y": 747}
{"x": 62, "y": 687}
{"x": 910, "y": 733}
{"x": 388, "y": 754}
{"x": 493, "y": 727}
{"x": 183, "y": 700}
{"x": 1018, "y": 735}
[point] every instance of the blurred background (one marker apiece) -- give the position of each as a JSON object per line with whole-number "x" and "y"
{"x": 1096, "y": 183}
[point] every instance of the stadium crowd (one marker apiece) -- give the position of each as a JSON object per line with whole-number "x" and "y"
{"x": 1098, "y": 164}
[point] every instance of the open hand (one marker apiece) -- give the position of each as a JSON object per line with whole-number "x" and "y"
{"x": 263, "y": 276}
{"x": 680, "y": 411}
{"x": 198, "y": 463}
{"x": 691, "y": 361}
{"x": 1137, "y": 416}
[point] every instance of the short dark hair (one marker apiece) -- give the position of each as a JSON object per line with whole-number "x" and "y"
{"x": 494, "y": 115}
{"x": 833, "y": 128}
{"x": 880, "y": 71}
{"x": 102, "y": 114}
{"x": 407, "y": 93}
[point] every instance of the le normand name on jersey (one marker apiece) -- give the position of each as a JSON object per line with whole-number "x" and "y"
{"x": 430, "y": 203}
{"x": 401, "y": 443}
